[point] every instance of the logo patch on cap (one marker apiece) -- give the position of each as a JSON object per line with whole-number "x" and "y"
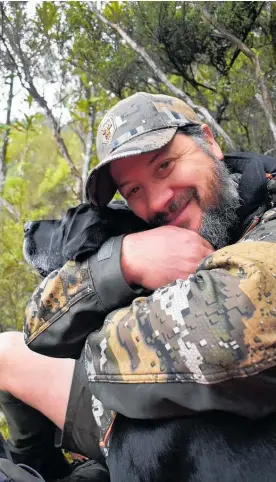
{"x": 107, "y": 130}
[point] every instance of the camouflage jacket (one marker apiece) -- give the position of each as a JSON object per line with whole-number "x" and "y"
{"x": 212, "y": 336}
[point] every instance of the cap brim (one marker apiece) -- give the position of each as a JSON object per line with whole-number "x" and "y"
{"x": 100, "y": 187}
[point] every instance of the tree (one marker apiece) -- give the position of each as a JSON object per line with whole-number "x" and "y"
{"x": 263, "y": 95}
{"x": 158, "y": 72}
{"x": 92, "y": 58}
{"x": 202, "y": 63}
{"x": 24, "y": 44}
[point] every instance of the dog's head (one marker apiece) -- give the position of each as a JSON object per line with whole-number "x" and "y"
{"x": 80, "y": 233}
{"x": 42, "y": 245}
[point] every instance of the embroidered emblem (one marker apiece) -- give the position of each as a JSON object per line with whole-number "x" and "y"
{"x": 108, "y": 130}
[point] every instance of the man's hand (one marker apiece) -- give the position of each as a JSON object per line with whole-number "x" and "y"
{"x": 157, "y": 257}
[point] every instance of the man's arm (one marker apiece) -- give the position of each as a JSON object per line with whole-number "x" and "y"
{"x": 213, "y": 336}
{"x": 74, "y": 300}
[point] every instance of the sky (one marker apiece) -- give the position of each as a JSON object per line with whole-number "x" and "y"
{"x": 20, "y": 106}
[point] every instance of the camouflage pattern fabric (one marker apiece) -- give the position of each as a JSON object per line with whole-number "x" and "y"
{"x": 54, "y": 297}
{"x": 140, "y": 123}
{"x": 217, "y": 325}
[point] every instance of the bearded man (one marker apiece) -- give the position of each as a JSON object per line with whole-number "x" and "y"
{"x": 205, "y": 336}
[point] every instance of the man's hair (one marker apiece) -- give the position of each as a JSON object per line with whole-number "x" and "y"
{"x": 196, "y": 133}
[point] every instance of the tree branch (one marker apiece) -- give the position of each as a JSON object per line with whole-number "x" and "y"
{"x": 264, "y": 97}
{"x": 27, "y": 82}
{"x": 3, "y": 153}
{"x": 160, "y": 74}
{"x": 43, "y": 104}
{"x": 6, "y": 205}
{"x": 89, "y": 140}
{"x": 78, "y": 132}
{"x": 269, "y": 117}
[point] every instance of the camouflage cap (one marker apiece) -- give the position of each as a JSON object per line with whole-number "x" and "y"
{"x": 141, "y": 123}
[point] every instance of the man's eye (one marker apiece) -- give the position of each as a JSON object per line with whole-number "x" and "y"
{"x": 164, "y": 166}
{"x": 134, "y": 190}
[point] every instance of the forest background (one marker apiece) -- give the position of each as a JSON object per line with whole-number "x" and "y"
{"x": 68, "y": 62}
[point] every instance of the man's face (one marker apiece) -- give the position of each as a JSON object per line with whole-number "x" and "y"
{"x": 173, "y": 185}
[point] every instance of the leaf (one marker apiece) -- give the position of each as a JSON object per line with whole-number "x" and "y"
{"x": 47, "y": 13}
{"x": 29, "y": 99}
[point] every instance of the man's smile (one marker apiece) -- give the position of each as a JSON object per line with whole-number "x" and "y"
{"x": 175, "y": 217}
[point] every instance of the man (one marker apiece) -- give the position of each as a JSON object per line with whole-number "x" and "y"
{"x": 202, "y": 329}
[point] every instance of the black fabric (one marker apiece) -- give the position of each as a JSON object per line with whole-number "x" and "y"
{"x": 32, "y": 438}
{"x": 90, "y": 471}
{"x": 107, "y": 266}
{"x": 252, "y": 397}
{"x": 254, "y": 195}
{"x": 10, "y": 472}
{"x": 80, "y": 433}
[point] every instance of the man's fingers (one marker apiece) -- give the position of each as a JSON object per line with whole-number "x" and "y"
{"x": 207, "y": 245}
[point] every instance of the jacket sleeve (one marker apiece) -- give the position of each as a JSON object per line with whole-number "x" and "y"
{"x": 74, "y": 300}
{"x": 213, "y": 336}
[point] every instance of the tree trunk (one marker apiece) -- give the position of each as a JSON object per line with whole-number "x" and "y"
{"x": 56, "y": 128}
{"x": 3, "y": 153}
{"x": 89, "y": 147}
{"x": 263, "y": 97}
{"x": 160, "y": 74}
{"x": 14, "y": 52}
{"x": 272, "y": 24}
{"x": 6, "y": 205}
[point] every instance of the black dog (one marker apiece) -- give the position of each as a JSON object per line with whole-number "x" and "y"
{"x": 49, "y": 244}
{"x": 206, "y": 447}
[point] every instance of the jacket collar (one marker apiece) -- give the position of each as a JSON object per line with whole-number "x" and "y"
{"x": 250, "y": 170}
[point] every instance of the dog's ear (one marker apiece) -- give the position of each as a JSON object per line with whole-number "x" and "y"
{"x": 87, "y": 227}
{"x": 84, "y": 232}
{"x": 122, "y": 220}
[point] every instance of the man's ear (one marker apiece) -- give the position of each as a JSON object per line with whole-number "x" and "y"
{"x": 213, "y": 145}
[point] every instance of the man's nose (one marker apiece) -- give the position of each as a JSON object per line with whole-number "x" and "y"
{"x": 158, "y": 199}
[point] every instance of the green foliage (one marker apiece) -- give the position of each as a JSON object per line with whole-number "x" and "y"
{"x": 4, "y": 429}
{"x": 47, "y": 15}
{"x": 65, "y": 44}
{"x": 38, "y": 186}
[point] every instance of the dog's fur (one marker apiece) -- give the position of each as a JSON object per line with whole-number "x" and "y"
{"x": 206, "y": 447}
{"x": 49, "y": 244}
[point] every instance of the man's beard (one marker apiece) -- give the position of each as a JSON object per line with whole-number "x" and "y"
{"x": 219, "y": 207}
